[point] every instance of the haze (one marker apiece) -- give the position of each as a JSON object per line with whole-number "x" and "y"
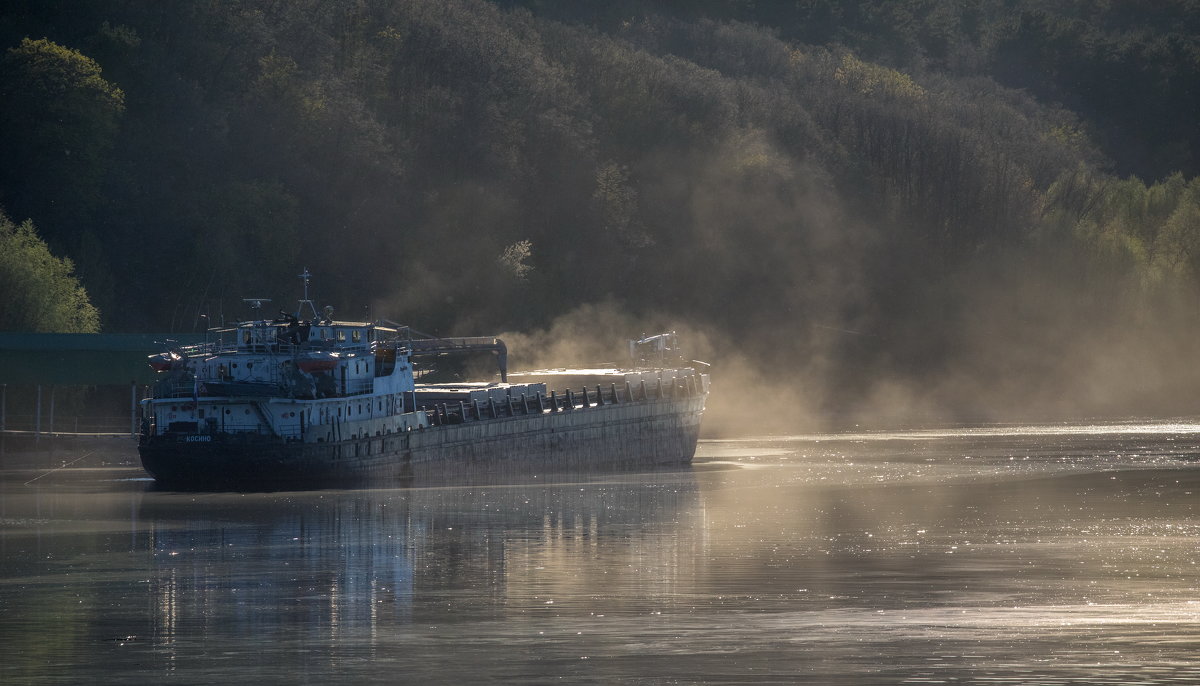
{"x": 888, "y": 214}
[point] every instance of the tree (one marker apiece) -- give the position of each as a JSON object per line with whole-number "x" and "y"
{"x": 40, "y": 292}
{"x": 58, "y": 123}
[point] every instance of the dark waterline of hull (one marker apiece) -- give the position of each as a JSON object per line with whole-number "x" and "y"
{"x": 643, "y": 434}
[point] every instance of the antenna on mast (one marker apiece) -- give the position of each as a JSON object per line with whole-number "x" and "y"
{"x": 312, "y": 308}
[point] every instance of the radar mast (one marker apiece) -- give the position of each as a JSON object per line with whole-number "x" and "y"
{"x": 311, "y": 307}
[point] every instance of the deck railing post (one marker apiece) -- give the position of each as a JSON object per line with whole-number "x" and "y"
{"x": 133, "y": 409}
{"x": 37, "y": 418}
{"x": 3, "y": 407}
{"x": 51, "y": 431}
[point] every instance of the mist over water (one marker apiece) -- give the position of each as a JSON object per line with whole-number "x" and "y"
{"x": 1052, "y": 553}
{"x": 1006, "y": 351}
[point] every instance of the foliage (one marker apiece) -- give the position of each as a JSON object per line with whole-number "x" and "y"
{"x": 40, "y": 292}
{"x": 869, "y": 79}
{"x": 513, "y": 259}
{"x": 775, "y": 173}
{"x": 1146, "y": 234}
{"x": 59, "y": 121}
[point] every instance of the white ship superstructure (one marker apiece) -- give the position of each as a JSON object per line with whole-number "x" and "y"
{"x": 322, "y": 400}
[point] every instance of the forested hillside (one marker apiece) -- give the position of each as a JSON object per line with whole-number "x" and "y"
{"x": 948, "y": 209}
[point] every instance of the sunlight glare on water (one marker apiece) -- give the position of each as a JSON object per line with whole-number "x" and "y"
{"x": 1125, "y": 428}
{"x": 993, "y": 555}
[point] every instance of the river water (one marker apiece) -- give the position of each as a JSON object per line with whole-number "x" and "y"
{"x": 1058, "y": 554}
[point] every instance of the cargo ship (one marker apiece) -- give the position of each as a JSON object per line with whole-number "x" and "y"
{"x": 322, "y": 402}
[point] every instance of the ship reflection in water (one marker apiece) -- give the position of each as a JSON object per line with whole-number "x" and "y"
{"x": 1005, "y": 555}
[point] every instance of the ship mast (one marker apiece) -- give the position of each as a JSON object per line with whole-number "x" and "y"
{"x": 312, "y": 308}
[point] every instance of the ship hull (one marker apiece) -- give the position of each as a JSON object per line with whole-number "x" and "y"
{"x": 647, "y": 434}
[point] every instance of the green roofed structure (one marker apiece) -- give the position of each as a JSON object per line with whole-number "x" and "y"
{"x": 82, "y": 359}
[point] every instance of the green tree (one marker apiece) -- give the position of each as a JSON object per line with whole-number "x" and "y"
{"x": 40, "y": 292}
{"x": 58, "y": 123}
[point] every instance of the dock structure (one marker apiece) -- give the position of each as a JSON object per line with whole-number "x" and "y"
{"x": 36, "y": 368}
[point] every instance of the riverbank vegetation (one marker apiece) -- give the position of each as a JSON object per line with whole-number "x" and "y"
{"x": 954, "y": 209}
